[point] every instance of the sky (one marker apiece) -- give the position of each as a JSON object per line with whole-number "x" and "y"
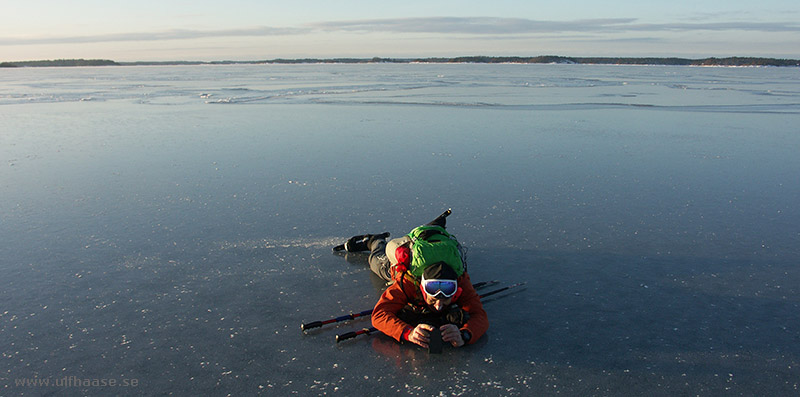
{"x": 247, "y": 30}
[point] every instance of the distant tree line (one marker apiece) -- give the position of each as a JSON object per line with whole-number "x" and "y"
{"x": 60, "y": 62}
{"x": 547, "y": 59}
{"x": 732, "y": 61}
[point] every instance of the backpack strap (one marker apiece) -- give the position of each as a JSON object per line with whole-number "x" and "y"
{"x": 426, "y": 232}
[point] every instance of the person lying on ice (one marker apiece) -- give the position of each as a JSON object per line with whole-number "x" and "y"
{"x": 430, "y": 289}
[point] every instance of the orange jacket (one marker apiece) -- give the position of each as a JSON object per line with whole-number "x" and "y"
{"x": 406, "y": 291}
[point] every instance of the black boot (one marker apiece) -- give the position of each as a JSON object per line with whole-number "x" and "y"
{"x": 359, "y": 243}
{"x": 440, "y": 220}
{"x": 376, "y": 237}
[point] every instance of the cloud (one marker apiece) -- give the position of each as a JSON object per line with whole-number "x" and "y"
{"x": 478, "y": 26}
{"x": 176, "y": 34}
{"x": 481, "y": 25}
{"x": 717, "y": 26}
{"x": 508, "y": 26}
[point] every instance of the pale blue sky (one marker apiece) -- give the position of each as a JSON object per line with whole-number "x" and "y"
{"x": 255, "y": 30}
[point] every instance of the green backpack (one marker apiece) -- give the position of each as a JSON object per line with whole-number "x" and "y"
{"x": 431, "y": 245}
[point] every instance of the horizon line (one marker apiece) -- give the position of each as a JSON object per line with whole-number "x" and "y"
{"x": 379, "y": 59}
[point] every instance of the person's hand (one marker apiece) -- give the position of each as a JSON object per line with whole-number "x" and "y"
{"x": 451, "y": 333}
{"x": 421, "y": 335}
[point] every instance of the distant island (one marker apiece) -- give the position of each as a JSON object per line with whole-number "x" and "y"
{"x": 545, "y": 59}
{"x": 59, "y": 62}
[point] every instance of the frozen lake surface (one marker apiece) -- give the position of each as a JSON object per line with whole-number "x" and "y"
{"x": 170, "y": 228}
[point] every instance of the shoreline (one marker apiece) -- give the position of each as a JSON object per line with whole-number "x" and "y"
{"x": 644, "y": 61}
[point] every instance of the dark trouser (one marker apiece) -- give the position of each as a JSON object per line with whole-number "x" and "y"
{"x": 378, "y": 261}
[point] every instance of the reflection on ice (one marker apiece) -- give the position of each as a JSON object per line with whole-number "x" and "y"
{"x": 523, "y": 87}
{"x": 318, "y": 243}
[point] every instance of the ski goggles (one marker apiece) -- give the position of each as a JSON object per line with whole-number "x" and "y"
{"x": 440, "y": 288}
